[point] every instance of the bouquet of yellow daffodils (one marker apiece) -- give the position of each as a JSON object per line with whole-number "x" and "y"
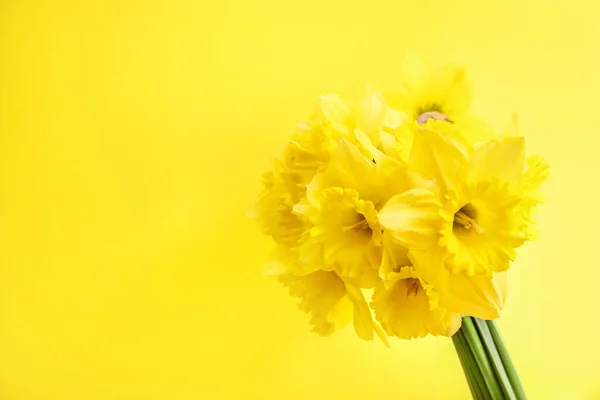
{"x": 410, "y": 199}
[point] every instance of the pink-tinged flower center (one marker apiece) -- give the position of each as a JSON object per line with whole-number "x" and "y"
{"x": 426, "y": 116}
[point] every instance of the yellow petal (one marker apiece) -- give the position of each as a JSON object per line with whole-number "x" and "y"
{"x": 367, "y": 148}
{"x": 500, "y": 281}
{"x": 349, "y": 168}
{"x": 437, "y": 156}
{"x": 370, "y": 117}
{"x": 310, "y": 257}
{"x": 389, "y": 146}
{"x": 341, "y": 313}
{"x": 414, "y": 72}
{"x": 431, "y": 266}
{"x": 537, "y": 173}
{"x": 503, "y": 159}
{"x": 390, "y": 175}
{"x": 381, "y": 334}
{"x": 404, "y": 136}
{"x": 403, "y": 309}
{"x": 394, "y": 257}
{"x": 400, "y": 99}
{"x": 334, "y": 108}
{"x": 363, "y": 321}
{"x": 320, "y": 294}
{"x": 450, "y": 87}
{"x": 375, "y": 178}
{"x": 394, "y": 118}
{"x": 371, "y": 90}
{"x": 476, "y": 295}
{"x": 273, "y": 211}
{"x": 512, "y": 128}
{"x": 475, "y": 130}
{"x": 283, "y": 261}
{"x": 331, "y": 302}
{"x": 412, "y": 218}
{"x": 345, "y": 235}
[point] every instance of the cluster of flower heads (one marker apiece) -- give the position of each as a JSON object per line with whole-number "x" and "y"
{"x": 407, "y": 194}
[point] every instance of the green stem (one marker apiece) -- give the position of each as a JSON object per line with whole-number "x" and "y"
{"x": 472, "y": 373}
{"x": 481, "y": 357}
{"x": 463, "y": 363}
{"x": 507, "y": 362}
{"x": 494, "y": 357}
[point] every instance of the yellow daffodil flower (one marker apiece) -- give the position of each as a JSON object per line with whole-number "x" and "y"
{"x": 403, "y": 305}
{"x": 442, "y": 93}
{"x": 332, "y": 304}
{"x": 273, "y": 211}
{"x": 483, "y": 220}
{"x": 341, "y": 206}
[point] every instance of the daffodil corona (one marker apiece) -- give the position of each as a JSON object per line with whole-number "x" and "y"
{"x": 407, "y": 196}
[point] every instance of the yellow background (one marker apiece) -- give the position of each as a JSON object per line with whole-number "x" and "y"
{"x": 132, "y": 139}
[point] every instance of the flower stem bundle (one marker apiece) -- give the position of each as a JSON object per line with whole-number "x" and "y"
{"x": 487, "y": 365}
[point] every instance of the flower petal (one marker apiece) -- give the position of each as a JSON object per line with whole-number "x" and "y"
{"x": 475, "y": 130}
{"x": 503, "y": 159}
{"x": 431, "y": 267}
{"x": 347, "y": 169}
{"x": 322, "y": 296}
{"x": 414, "y": 72}
{"x": 477, "y": 295}
{"x": 449, "y": 86}
{"x": 370, "y": 117}
{"x": 274, "y": 213}
{"x": 363, "y": 321}
{"x": 537, "y": 173}
{"x": 394, "y": 257}
{"x": 437, "y": 156}
{"x": 283, "y": 261}
{"x": 341, "y": 313}
{"x": 403, "y": 309}
{"x": 512, "y": 128}
{"x": 412, "y": 218}
{"x": 345, "y": 235}
{"x": 334, "y": 108}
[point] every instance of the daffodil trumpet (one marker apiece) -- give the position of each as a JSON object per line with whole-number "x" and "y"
{"x": 408, "y": 198}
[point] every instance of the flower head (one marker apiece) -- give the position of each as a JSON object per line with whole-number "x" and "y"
{"x": 434, "y": 93}
{"x": 273, "y": 210}
{"x": 332, "y": 303}
{"x": 485, "y": 207}
{"x": 406, "y": 307}
{"x": 341, "y": 206}
{"x": 443, "y": 93}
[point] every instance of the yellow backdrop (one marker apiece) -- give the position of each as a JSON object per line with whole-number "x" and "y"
{"x": 132, "y": 139}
